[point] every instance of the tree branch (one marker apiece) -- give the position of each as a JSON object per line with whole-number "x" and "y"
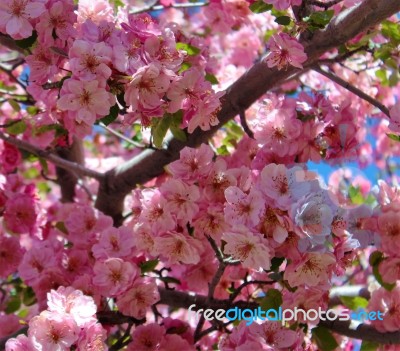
{"x": 119, "y": 181}
{"x": 48, "y": 155}
{"x": 175, "y": 6}
{"x": 333, "y": 77}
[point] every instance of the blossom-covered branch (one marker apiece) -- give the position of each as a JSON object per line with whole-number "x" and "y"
{"x": 50, "y": 156}
{"x": 119, "y": 181}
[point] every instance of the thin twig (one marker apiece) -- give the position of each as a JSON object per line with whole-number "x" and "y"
{"x": 244, "y": 124}
{"x": 121, "y": 343}
{"x": 237, "y": 291}
{"x": 216, "y": 249}
{"x": 121, "y": 136}
{"x": 345, "y": 56}
{"x": 324, "y": 5}
{"x": 352, "y": 89}
{"x": 48, "y": 155}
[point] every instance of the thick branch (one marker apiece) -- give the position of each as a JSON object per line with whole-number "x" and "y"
{"x": 241, "y": 95}
{"x": 333, "y": 77}
{"x": 58, "y": 161}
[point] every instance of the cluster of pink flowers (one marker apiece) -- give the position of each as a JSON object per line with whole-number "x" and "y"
{"x": 69, "y": 321}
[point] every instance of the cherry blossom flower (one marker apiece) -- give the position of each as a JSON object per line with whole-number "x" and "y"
{"x": 137, "y": 300}
{"x": 147, "y": 87}
{"x": 314, "y": 269}
{"x": 21, "y": 213}
{"x": 250, "y": 248}
{"x": 274, "y": 334}
{"x": 92, "y": 338}
{"x": 242, "y": 208}
{"x": 176, "y": 247}
{"x": 20, "y": 343}
{"x": 283, "y": 4}
{"x": 181, "y": 198}
{"x": 394, "y": 112}
{"x": 389, "y": 229}
{"x": 114, "y": 242}
{"x": 388, "y": 303}
{"x": 90, "y": 61}
{"x": 10, "y": 158}
{"x": 16, "y": 17}
{"x": 11, "y": 255}
{"x": 193, "y": 164}
{"x": 285, "y": 50}
{"x": 147, "y": 337}
{"x": 113, "y": 276}
{"x": 85, "y": 101}
{"x": 53, "y": 332}
{"x": 9, "y": 324}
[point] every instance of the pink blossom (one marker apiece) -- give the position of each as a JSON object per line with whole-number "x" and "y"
{"x": 313, "y": 269}
{"x": 388, "y": 303}
{"x": 21, "y": 214}
{"x": 283, "y": 4}
{"x": 147, "y": 337}
{"x": 113, "y": 276}
{"x": 250, "y": 248}
{"x": 147, "y": 87}
{"x": 389, "y": 269}
{"x": 181, "y": 198}
{"x": 72, "y": 302}
{"x": 173, "y": 342}
{"x": 242, "y": 208}
{"x": 394, "y": 112}
{"x": 389, "y": 229}
{"x": 90, "y": 61}
{"x": 53, "y": 332}
{"x": 85, "y": 101}
{"x": 176, "y": 247}
{"x": 10, "y": 158}
{"x": 20, "y": 343}
{"x": 9, "y": 324}
{"x": 11, "y": 255}
{"x": 92, "y": 338}
{"x": 136, "y": 301}
{"x": 193, "y": 164}
{"x": 274, "y": 334}
{"x": 16, "y": 16}
{"x": 285, "y": 50}
{"x": 43, "y": 65}
{"x": 114, "y": 242}
{"x": 95, "y": 11}
{"x": 145, "y": 240}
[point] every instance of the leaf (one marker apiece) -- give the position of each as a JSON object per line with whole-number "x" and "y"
{"x": 16, "y": 128}
{"x": 393, "y": 136}
{"x": 29, "y": 297}
{"x": 355, "y": 195}
{"x": 374, "y": 260}
{"x": 190, "y": 50}
{"x": 148, "y": 266}
{"x": 391, "y": 30}
{"x": 272, "y": 300}
{"x": 260, "y": 7}
{"x": 160, "y": 129}
{"x": 369, "y": 346}
{"x": 321, "y": 18}
{"x": 32, "y": 110}
{"x": 14, "y": 105}
{"x": 61, "y": 227}
{"x": 185, "y": 66}
{"x": 175, "y": 128}
{"x": 111, "y": 117}
{"x": 27, "y": 42}
{"x": 324, "y": 339}
{"x": 354, "y": 302}
{"x": 13, "y": 305}
{"x": 283, "y": 20}
{"x": 44, "y": 165}
{"x": 211, "y": 78}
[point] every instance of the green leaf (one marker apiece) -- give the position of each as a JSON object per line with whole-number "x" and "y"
{"x": 369, "y": 346}
{"x": 211, "y": 78}
{"x": 354, "y": 302}
{"x": 61, "y": 227}
{"x": 272, "y": 300}
{"x": 148, "y": 266}
{"x": 13, "y": 304}
{"x": 324, "y": 339}
{"x": 391, "y": 30}
{"x": 27, "y": 42}
{"x": 160, "y": 129}
{"x": 374, "y": 260}
{"x": 17, "y": 128}
{"x": 14, "y": 105}
{"x": 393, "y": 136}
{"x": 185, "y": 66}
{"x": 31, "y": 173}
{"x": 381, "y": 74}
{"x": 112, "y": 116}
{"x": 283, "y": 20}
{"x": 355, "y": 195}
{"x": 29, "y": 297}
{"x": 175, "y": 126}
{"x": 223, "y": 150}
{"x": 260, "y": 7}
{"x": 32, "y": 110}
{"x": 45, "y": 166}
{"x": 190, "y": 49}
{"x": 322, "y": 18}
